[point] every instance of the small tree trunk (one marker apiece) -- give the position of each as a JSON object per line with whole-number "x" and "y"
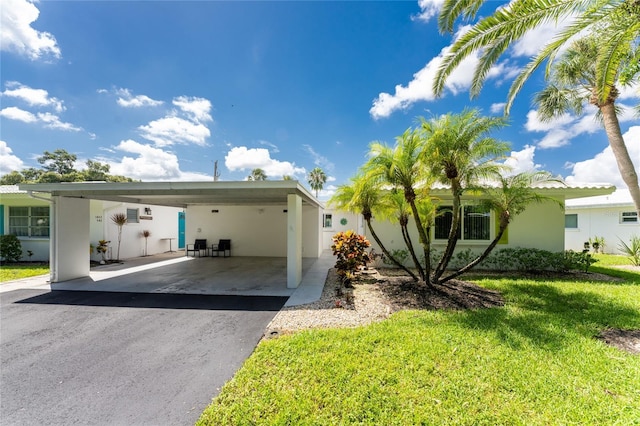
{"x": 386, "y": 252}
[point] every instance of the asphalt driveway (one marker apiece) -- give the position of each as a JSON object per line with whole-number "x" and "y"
{"x": 108, "y": 358}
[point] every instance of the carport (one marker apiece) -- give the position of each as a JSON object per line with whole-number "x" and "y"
{"x": 263, "y": 218}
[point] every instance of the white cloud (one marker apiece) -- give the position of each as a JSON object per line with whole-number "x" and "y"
{"x": 603, "y": 167}
{"x": 429, "y": 9}
{"x": 17, "y": 35}
{"x": 127, "y": 100}
{"x": 319, "y": 160}
{"x": 522, "y": 161}
{"x": 33, "y": 97}
{"x": 8, "y": 161}
{"x": 274, "y": 148}
{"x": 421, "y": 87}
{"x": 49, "y": 120}
{"x": 497, "y": 108}
{"x": 15, "y": 113}
{"x": 147, "y": 164}
{"x": 198, "y": 109}
{"x": 241, "y": 158}
{"x": 175, "y": 130}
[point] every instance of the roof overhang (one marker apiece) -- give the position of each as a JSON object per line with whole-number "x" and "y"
{"x": 554, "y": 190}
{"x": 181, "y": 194}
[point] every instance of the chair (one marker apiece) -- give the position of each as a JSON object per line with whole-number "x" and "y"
{"x": 198, "y": 247}
{"x": 223, "y": 246}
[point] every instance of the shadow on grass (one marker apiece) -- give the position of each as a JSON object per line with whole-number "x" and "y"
{"x": 543, "y": 316}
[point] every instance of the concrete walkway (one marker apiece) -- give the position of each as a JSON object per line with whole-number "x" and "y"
{"x": 175, "y": 273}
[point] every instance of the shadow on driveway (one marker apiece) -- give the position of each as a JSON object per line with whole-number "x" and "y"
{"x": 160, "y": 300}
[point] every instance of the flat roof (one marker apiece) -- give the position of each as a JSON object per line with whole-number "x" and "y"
{"x": 180, "y": 194}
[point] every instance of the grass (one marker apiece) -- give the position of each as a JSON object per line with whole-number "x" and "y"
{"x": 533, "y": 362}
{"x": 9, "y": 272}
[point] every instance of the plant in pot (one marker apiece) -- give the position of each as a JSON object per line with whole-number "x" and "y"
{"x": 103, "y": 246}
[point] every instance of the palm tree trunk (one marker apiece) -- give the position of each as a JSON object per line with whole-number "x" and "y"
{"x": 453, "y": 233}
{"x": 386, "y": 252}
{"x": 425, "y": 274}
{"x": 409, "y": 244}
{"x": 620, "y": 152}
{"x": 485, "y": 253}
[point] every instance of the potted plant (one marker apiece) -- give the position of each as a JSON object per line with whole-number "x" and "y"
{"x": 103, "y": 246}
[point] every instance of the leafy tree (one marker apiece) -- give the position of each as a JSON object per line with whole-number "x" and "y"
{"x": 12, "y": 178}
{"x": 317, "y": 178}
{"x": 58, "y": 161}
{"x": 96, "y": 171}
{"x": 615, "y": 24}
{"x": 573, "y": 84}
{"x": 287, "y": 177}
{"x": 257, "y": 174}
{"x": 32, "y": 174}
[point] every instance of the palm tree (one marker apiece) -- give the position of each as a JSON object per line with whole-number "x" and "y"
{"x": 317, "y": 178}
{"x": 459, "y": 152}
{"x": 572, "y": 84}
{"x": 363, "y": 196}
{"x": 402, "y": 169}
{"x": 513, "y": 195}
{"x": 257, "y": 174}
{"x": 614, "y": 23}
{"x": 120, "y": 219}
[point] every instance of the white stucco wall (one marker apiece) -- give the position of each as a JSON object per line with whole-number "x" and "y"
{"x": 601, "y": 221}
{"x": 354, "y": 222}
{"x": 163, "y": 224}
{"x": 253, "y": 230}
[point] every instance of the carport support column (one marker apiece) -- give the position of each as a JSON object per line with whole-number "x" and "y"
{"x": 294, "y": 240}
{"x": 70, "y": 257}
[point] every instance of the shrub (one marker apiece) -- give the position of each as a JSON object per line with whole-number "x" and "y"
{"x": 578, "y": 260}
{"x": 351, "y": 250}
{"x": 10, "y": 248}
{"x": 401, "y": 255}
{"x": 632, "y": 250}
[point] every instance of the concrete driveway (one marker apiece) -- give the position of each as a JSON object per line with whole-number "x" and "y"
{"x": 121, "y": 358}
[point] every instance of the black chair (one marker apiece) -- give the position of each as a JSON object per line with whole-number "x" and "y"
{"x": 198, "y": 247}
{"x": 223, "y": 246}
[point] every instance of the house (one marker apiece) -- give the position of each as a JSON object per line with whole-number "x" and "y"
{"x": 273, "y": 219}
{"x": 610, "y": 216}
{"x": 28, "y": 216}
{"x": 540, "y": 226}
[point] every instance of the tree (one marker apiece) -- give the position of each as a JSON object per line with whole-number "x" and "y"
{"x": 120, "y": 219}
{"x": 363, "y": 196}
{"x": 257, "y": 174}
{"x": 614, "y": 23}
{"x": 317, "y": 178}
{"x": 573, "y": 84}
{"x": 12, "y": 178}
{"x": 509, "y": 198}
{"x": 58, "y": 161}
{"x": 401, "y": 168}
{"x": 96, "y": 171}
{"x": 459, "y": 152}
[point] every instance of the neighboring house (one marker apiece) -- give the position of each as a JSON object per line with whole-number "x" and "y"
{"x": 273, "y": 219}
{"x": 28, "y": 217}
{"x": 612, "y": 217}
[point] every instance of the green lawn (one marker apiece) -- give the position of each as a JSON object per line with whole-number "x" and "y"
{"x": 533, "y": 362}
{"x": 15, "y": 272}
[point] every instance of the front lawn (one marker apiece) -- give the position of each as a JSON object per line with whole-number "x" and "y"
{"x": 535, "y": 361}
{"x": 10, "y": 272}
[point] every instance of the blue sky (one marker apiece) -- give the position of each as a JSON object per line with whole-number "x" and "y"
{"x": 160, "y": 90}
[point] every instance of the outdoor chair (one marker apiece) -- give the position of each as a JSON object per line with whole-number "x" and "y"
{"x": 223, "y": 246}
{"x": 198, "y": 247}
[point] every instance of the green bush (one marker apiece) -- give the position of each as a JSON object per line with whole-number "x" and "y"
{"x": 401, "y": 255}
{"x": 10, "y": 248}
{"x": 536, "y": 260}
{"x": 632, "y": 250}
{"x": 351, "y": 250}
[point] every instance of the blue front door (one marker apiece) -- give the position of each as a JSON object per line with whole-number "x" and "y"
{"x": 180, "y": 230}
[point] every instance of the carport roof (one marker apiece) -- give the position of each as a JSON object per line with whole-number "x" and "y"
{"x": 181, "y": 194}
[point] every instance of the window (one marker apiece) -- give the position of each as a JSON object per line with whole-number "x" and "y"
{"x": 475, "y": 223}
{"x": 327, "y": 221}
{"x": 628, "y": 217}
{"x": 571, "y": 221}
{"x": 132, "y": 216}
{"x": 29, "y": 221}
